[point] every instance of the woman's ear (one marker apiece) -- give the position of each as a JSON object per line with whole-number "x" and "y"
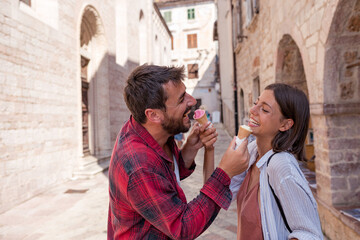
{"x": 286, "y": 124}
{"x": 153, "y": 115}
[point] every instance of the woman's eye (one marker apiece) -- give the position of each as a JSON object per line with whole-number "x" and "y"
{"x": 264, "y": 110}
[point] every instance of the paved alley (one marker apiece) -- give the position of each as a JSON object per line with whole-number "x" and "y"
{"x": 78, "y": 209}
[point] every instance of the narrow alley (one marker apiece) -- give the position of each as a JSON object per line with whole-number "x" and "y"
{"x": 78, "y": 209}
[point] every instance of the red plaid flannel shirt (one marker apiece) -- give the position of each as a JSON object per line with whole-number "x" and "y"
{"x": 145, "y": 200}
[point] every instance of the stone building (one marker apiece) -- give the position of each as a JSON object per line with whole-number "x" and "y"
{"x": 191, "y": 23}
{"x": 315, "y": 46}
{"x": 63, "y": 65}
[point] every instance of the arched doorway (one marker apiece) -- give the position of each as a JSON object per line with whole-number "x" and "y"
{"x": 290, "y": 70}
{"x": 341, "y": 107}
{"x": 95, "y": 110}
{"x": 242, "y": 107}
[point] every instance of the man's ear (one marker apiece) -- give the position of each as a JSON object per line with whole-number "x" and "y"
{"x": 153, "y": 115}
{"x": 286, "y": 124}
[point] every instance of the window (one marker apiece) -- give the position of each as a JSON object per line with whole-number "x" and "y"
{"x": 192, "y": 40}
{"x": 236, "y": 13}
{"x": 193, "y": 71}
{"x": 256, "y": 89}
{"x": 28, "y": 2}
{"x": 252, "y": 8}
{"x": 242, "y": 107}
{"x": 172, "y": 42}
{"x": 215, "y": 32}
{"x": 191, "y": 13}
{"x": 167, "y": 16}
{"x": 237, "y": 23}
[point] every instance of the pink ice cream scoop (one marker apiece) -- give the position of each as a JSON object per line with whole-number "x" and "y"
{"x": 200, "y": 116}
{"x": 198, "y": 113}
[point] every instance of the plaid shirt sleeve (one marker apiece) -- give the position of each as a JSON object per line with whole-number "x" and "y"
{"x": 154, "y": 197}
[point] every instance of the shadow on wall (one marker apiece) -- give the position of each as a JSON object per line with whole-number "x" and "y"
{"x": 103, "y": 107}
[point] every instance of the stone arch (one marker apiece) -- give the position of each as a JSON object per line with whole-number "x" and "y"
{"x": 342, "y": 57}
{"x": 289, "y": 66}
{"x": 341, "y": 108}
{"x": 290, "y": 70}
{"x": 95, "y": 86}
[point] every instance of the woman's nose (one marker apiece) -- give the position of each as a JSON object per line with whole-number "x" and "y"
{"x": 253, "y": 109}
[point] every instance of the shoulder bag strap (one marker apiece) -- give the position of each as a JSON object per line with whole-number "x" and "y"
{"x": 277, "y": 199}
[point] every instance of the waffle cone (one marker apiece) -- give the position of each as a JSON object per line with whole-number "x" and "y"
{"x": 203, "y": 120}
{"x": 243, "y": 132}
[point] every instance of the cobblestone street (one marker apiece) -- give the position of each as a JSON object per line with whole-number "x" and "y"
{"x": 78, "y": 208}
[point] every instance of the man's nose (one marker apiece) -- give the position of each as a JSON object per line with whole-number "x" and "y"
{"x": 192, "y": 100}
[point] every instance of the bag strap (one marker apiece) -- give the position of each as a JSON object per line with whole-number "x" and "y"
{"x": 277, "y": 199}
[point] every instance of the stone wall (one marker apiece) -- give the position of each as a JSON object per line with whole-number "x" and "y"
{"x": 41, "y": 141}
{"x": 265, "y": 53}
{"x": 38, "y": 102}
{"x": 313, "y": 45}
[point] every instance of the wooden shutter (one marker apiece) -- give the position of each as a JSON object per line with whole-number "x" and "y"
{"x": 192, "y": 40}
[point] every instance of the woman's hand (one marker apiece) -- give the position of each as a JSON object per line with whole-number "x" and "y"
{"x": 191, "y": 146}
{"x": 193, "y": 140}
{"x": 208, "y": 136}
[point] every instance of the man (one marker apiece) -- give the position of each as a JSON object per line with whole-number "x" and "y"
{"x": 146, "y": 200}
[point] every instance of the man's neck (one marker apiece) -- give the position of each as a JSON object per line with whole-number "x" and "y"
{"x": 160, "y": 136}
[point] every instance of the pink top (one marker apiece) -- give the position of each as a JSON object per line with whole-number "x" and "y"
{"x": 249, "y": 220}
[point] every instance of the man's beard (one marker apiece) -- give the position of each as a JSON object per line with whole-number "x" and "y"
{"x": 174, "y": 126}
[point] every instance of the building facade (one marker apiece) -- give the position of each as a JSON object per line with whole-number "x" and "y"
{"x": 226, "y": 66}
{"x": 63, "y": 66}
{"x": 191, "y": 24}
{"x": 313, "y": 45}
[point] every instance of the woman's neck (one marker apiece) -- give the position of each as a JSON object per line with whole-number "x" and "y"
{"x": 263, "y": 146}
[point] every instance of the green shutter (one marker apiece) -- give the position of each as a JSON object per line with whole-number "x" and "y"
{"x": 167, "y": 16}
{"x": 191, "y": 13}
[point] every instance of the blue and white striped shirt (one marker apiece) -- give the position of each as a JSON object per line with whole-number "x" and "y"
{"x": 292, "y": 189}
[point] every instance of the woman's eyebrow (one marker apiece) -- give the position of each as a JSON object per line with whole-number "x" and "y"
{"x": 265, "y": 103}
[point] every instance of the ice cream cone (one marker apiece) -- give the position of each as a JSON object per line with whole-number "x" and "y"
{"x": 244, "y": 132}
{"x": 202, "y": 120}
{"x": 200, "y": 116}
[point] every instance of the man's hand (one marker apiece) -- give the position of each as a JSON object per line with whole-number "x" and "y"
{"x": 234, "y": 161}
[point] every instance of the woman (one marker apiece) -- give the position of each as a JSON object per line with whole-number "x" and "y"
{"x": 279, "y": 121}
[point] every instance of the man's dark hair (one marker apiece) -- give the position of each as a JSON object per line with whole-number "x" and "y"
{"x": 144, "y": 88}
{"x": 294, "y": 105}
